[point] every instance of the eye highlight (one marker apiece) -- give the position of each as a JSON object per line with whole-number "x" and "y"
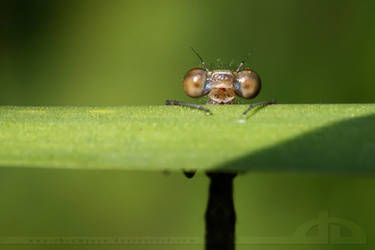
{"x": 248, "y": 84}
{"x": 195, "y": 82}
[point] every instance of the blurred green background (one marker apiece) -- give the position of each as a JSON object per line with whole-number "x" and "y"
{"x": 121, "y": 52}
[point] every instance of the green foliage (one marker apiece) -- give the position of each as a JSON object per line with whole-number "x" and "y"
{"x": 137, "y": 52}
{"x": 278, "y": 137}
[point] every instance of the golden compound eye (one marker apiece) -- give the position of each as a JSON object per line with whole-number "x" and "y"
{"x": 195, "y": 82}
{"x": 248, "y": 84}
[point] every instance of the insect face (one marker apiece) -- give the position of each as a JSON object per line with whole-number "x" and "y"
{"x": 222, "y": 86}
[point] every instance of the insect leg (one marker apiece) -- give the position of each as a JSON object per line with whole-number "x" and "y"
{"x": 258, "y": 104}
{"x": 191, "y": 105}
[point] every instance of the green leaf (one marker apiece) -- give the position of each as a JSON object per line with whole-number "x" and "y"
{"x": 333, "y": 137}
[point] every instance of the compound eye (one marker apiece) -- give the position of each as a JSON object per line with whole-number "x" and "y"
{"x": 248, "y": 84}
{"x": 195, "y": 82}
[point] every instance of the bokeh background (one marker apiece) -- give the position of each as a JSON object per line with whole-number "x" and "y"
{"x": 123, "y": 52}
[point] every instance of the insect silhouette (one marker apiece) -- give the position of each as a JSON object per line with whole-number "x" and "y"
{"x": 221, "y": 85}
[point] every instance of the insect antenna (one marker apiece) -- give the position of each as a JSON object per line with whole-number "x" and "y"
{"x": 243, "y": 62}
{"x": 200, "y": 58}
